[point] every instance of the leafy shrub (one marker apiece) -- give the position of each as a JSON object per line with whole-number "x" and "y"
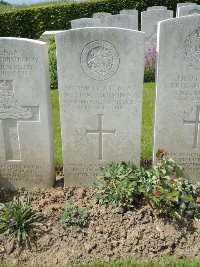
{"x": 118, "y": 184}
{"x": 150, "y": 64}
{"x": 164, "y": 187}
{"x": 52, "y": 63}
{"x": 74, "y": 216}
{"x": 17, "y": 217}
{"x": 167, "y": 189}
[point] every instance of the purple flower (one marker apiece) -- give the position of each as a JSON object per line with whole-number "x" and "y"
{"x": 150, "y": 58}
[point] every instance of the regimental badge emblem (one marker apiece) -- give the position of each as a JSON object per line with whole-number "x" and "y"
{"x": 100, "y": 60}
{"x": 9, "y": 106}
{"x": 192, "y": 49}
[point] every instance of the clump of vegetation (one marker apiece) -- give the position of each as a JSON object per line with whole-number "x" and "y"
{"x": 52, "y": 63}
{"x": 118, "y": 184}
{"x": 74, "y": 217}
{"x": 168, "y": 190}
{"x": 17, "y": 218}
{"x": 164, "y": 186}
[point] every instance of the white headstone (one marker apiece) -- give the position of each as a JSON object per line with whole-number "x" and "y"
{"x": 183, "y": 4}
{"x": 177, "y": 112}
{"x": 26, "y": 146}
{"x": 85, "y": 22}
{"x": 188, "y": 10}
{"x": 47, "y": 35}
{"x": 129, "y": 12}
{"x": 101, "y": 16}
{"x": 100, "y": 99}
{"x": 157, "y": 7}
{"x": 122, "y": 21}
{"x": 149, "y": 22}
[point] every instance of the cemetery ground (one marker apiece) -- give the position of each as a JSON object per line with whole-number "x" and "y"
{"x": 104, "y": 234}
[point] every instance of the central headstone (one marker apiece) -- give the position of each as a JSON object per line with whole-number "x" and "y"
{"x": 122, "y": 21}
{"x": 26, "y": 149}
{"x": 177, "y": 111}
{"x": 100, "y": 99}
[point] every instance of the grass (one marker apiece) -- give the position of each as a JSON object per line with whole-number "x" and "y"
{"x": 147, "y": 124}
{"x": 56, "y": 127}
{"x": 170, "y": 262}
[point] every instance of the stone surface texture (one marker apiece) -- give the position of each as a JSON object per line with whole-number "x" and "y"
{"x": 100, "y": 99}
{"x": 149, "y": 22}
{"x": 188, "y": 10}
{"x": 183, "y": 4}
{"x": 101, "y": 16}
{"x": 156, "y": 7}
{"x": 129, "y": 12}
{"x": 177, "y": 109}
{"x": 26, "y": 146}
{"x": 85, "y": 22}
{"x": 122, "y": 21}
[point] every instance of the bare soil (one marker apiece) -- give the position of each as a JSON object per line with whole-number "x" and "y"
{"x": 110, "y": 234}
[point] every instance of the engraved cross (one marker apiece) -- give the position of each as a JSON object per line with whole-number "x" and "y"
{"x": 196, "y": 124}
{"x": 11, "y": 113}
{"x": 100, "y": 132}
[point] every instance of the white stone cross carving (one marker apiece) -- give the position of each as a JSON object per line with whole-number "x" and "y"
{"x": 196, "y": 124}
{"x": 100, "y": 132}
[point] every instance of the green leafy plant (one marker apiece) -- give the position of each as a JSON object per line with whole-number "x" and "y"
{"x": 17, "y": 217}
{"x": 165, "y": 187}
{"x": 168, "y": 190}
{"x": 118, "y": 184}
{"x": 74, "y": 217}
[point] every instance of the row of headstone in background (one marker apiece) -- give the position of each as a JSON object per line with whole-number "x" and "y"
{"x": 129, "y": 19}
{"x": 119, "y": 21}
{"x": 107, "y": 20}
{"x": 126, "y": 19}
{"x": 149, "y": 20}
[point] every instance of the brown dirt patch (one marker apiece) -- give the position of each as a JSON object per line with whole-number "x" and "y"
{"x": 110, "y": 234}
